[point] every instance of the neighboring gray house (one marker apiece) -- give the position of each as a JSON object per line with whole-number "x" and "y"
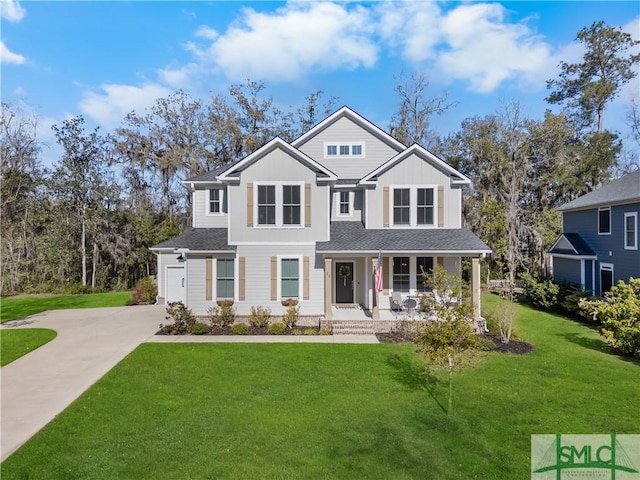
{"x": 307, "y": 220}
{"x": 599, "y": 243}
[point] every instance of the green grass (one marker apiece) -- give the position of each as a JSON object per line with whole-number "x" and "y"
{"x": 22, "y": 306}
{"x": 205, "y": 411}
{"x": 18, "y": 342}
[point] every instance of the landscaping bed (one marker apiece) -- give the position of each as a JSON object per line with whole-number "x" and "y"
{"x": 254, "y": 330}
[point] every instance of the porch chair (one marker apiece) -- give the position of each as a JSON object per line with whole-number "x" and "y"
{"x": 396, "y": 304}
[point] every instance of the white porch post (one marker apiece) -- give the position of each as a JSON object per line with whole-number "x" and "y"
{"x": 475, "y": 287}
{"x": 375, "y": 311}
{"x": 328, "y": 289}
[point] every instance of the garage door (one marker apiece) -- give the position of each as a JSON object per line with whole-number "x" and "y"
{"x": 175, "y": 284}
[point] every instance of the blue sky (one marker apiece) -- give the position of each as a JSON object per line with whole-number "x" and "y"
{"x": 104, "y": 59}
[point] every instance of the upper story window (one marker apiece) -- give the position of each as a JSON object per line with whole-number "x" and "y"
{"x": 631, "y": 230}
{"x": 344, "y": 149}
{"x": 344, "y": 207}
{"x": 279, "y": 205}
{"x": 413, "y": 206}
{"x": 604, "y": 221}
{"x": 215, "y": 201}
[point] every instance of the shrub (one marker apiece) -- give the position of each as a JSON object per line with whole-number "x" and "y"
{"x": 144, "y": 292}
{"x": 288, "y": 302}
{"x": 183, "y": 319}
{"x": 277, "y": 328}
{"x": 542, "y": 294}
{"x": 222, "y": 314}
{"x": 619, "y": 315}
{"x": 200, "y": 328}
{"x": 570, "y": 297}
{"x": 78, "y": 289}
{"x": 503, "y": 315}
{"x": 324, "y": 331}
{"x": 290, "y": 316}
{"x": 260, "y": 316}
{"x": 297, "y": 331}
{"x": 310, "y": 331}
{"x": 485, "y": 344}
{"x": 240, "y": 329}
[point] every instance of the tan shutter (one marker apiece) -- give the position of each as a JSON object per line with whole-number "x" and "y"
{"x": 307, "y": 204}
{"x": 241, "y": 278}
{"x": 274, "y": 278}
{"x": 385, "y": 207}
{"x": 305, "y": 278}
{"x": 250, "y": 204}
{"x": 440, "y": 206}
{"x": 385, "y": 275}
{"x": 208, "y": 278}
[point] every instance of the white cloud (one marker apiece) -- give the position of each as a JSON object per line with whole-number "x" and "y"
{"x": 109, "y": 107}
{"x": 292, "y": 41}
{"x": 206, "y": 32}
{"x": 7, "y": 56}
{"x": 180, "y": 78}
{"x": 11, "y": 10}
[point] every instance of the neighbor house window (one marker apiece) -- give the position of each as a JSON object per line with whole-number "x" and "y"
{"x": 424, "y": 212}
{"x": 224, "y": 278}
{"x": 345, "y": 203}
{"x": 423, "y": 265}
{"x": 266, "y": 204}
{"x": 344, "y": 149}
{"x": 604, "y": 221}
{"x": 215, "y": 200}
{"x": 606, "y": 277}
{"x": 291, "y": 204}
{"x": 290, "y": 278}
{"x": 631, "y": 230}
{"x": 401, "y": 206}
{"x": 401, "y": 274}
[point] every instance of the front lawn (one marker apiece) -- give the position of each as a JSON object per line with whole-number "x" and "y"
{"x": 333, "y": 411}
{"x": 25, "y": 305}
{"x": 20, "y": 341}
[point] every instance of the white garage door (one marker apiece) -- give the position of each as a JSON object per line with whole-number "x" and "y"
{"x": 175, "y": 284}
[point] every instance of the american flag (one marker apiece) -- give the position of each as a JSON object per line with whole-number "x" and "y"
{"x": 379, "y": 273}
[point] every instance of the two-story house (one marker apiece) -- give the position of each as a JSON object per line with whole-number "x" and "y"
{"x": 599, "y": 243}
{"x": 308, "y": 220}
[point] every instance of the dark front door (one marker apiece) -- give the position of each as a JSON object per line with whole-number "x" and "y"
{"x": 344, "y": 282}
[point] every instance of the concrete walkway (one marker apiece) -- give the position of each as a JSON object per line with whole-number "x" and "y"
{"x": 90, "y": 342}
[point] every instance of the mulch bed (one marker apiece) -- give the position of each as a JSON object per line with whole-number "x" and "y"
{"x": 254, "y": 331}
{"x": 517, "y": 347}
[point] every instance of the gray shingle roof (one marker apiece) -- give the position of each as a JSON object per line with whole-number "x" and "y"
{"x": 577, "y": 242}
{"x": 352, "y": 236}
{"x": 210, "y": 176}
{"x": 199, "y": 239}
{"x": 624, "y": 190}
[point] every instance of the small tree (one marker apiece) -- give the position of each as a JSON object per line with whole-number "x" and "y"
{"x": 449, "y": 341}
{"x": 504, "y": 313}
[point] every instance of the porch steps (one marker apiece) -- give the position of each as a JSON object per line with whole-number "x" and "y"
{"x": 360, "y": 327}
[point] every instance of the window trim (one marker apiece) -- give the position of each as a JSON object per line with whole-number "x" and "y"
{"x": 413, "y": 205}
{"x": 235, "y": 278}
{"x": 408, "y": 274}
{"x": 220, "y": 201}
{"x": 300, "y": 275}
{"x": 279, "y": 205}
{"x": 633, "y": 215}
{"x": 602, "y": 209}
{"x": 413, "y": 271}
{"x": 350, "y": 146}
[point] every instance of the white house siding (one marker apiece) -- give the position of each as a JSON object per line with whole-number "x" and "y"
{"x": 165, "y": 259}
{"x": 278, "y": 166}
{"x": 414, "y": 171}
{"x": 201, "y": 218}
{"x": 197, "y": 281}
{"x": 345, "y": 131}
{"x": 357, "y": 199}
{"x": 258, "y": 278}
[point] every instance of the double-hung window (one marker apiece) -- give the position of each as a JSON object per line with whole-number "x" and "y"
{"x": 290, "y": 278}
{"x": 291, "y": 204}
{"x": 424, "y": 207}
{"x": 424, "y": 266}
{"x": 631, "y": 230}
{"x": 280, "y": 205}
{"x": 215, "y": 200}
{"x": 266, "y": 204}
{"x": 345, "y": 203}
{"x": 225, "y": 278}
{"x": 604, "y": 221}
{"x": 401, "y": 274}
{"x": 401, "y": 206}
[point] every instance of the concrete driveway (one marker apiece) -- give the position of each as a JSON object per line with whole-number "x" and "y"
{"x": 90, "y": 342}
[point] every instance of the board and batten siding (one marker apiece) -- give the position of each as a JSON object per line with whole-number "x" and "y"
{"x": 278, "y": 166}
{"x": 345, "y": 131}
{"x": 413, "y": 171}
{"x": 201, "y": 219}
{"x": 608, "y": 248}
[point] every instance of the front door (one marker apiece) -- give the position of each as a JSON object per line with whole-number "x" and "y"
{"x": 344, "y": 282}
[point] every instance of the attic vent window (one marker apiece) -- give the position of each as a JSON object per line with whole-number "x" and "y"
{"x": 344, "y": 150}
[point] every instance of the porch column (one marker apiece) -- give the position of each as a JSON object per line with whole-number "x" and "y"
{"x": 375, "y": 311}
{"x": 475, "y": 287}
{"x": 328, "y": 289}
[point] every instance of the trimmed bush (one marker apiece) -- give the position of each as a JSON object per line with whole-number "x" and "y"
{"x": 144, "y": 293}
{"x": 310, "y": 331}
{"x": 324, "y": 331}
{"x": 290, "y": 316}
{"x": 221, "y": 315}
{"x": 277, "y": 328}
{"x": 240, "y": 329}
{"x": 260, "y": 316}
{"x": 296, "y": 331}
{"x": 200, "y": 328}
{"x": 183, "y": 319}
{"x": 541, "y": 293}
